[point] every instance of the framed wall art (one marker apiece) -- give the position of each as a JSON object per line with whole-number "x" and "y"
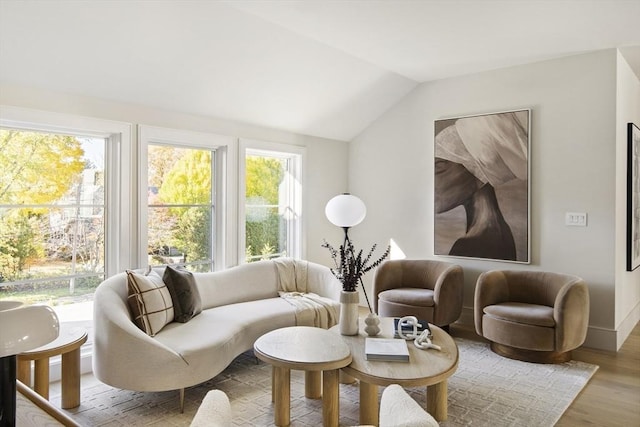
{"x": 481, "y": 186}
{"x": 633, "y": 197}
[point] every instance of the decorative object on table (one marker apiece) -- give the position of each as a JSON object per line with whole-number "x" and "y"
{"x": 349, "y": 312}
{"x": 346, "y": 211}
{"x": 410, "y": 328}
{"x": 24, "y": 327}
{"x": 482, "y": 164}
{"x": 386, "y": 349}
{"x": 633, "y": 197}
{"x": 373, "y": 324}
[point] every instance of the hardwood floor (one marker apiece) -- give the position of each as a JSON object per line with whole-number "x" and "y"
{"x": 612, "y": 396}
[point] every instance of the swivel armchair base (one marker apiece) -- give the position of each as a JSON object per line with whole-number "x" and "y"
{"x": 533, "y": 356}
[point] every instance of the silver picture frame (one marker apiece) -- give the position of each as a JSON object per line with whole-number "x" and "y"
{"x": 482, "y": 186}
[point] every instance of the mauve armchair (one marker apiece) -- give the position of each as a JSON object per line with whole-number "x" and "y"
{"x": 534, "y": 316}
{"x": 427, "y": 289}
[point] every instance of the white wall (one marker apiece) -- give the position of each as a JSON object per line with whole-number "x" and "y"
{"x": 326, "y": 162}
{"x": 573, "y": 169}
{"x": 627, "y": 288}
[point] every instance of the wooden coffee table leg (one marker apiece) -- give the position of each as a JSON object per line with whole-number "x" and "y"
{"x": 369, "y": 404}
{"x": 70, "y": 379}
{"x": 41, "y": 377}
{"x": 24, "y": 372}
{"x": 346, "y": 378}
{"x": 437, "y": 400}
{"x": 331, "y": 398}
{"x": 273, "y": 384}
{"x": 282, "y": 390}
{"x": 313, "y": 384}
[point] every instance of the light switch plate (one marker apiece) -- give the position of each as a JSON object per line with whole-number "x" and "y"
{"x": 576, "y": 219}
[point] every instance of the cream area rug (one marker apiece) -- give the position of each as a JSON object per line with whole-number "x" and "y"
{"x": 486, "y": 390}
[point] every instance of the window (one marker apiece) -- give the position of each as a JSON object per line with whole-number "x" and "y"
{"x": 56, "y": 175}
{"x": 183, "y": 176}
{"x": 272, "y": 220}
{"x": 180, "y": 206}
{"x": 51, "y": 213}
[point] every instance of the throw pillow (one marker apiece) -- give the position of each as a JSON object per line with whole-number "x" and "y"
{"x": 184, "y": 293}
{"x": 149, "y": 301}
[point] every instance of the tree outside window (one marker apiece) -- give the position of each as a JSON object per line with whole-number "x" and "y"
{"x": 180, "y": 198}
{"x": 51, "y": 215}
{"x": 269, "y": 200}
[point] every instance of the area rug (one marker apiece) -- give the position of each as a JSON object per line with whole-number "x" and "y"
{"x": 486, "y": 390}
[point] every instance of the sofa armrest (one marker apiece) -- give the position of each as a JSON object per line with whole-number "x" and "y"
{"x": 120, "y": 348}
{"x": 491, "y": 288}
{"x": 321, "y": 281}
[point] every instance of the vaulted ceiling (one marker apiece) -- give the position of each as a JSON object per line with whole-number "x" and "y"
{"x": 322, "y": 68}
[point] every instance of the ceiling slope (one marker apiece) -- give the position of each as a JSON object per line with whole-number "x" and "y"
{"x": 202, "y": 58}
{"x": 322, "y": 68}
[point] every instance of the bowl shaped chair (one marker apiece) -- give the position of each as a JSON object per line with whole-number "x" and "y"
{"x": 427, "y": 289}
{"x": 534, "y": 316}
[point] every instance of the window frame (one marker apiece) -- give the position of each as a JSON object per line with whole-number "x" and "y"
{"x": 298, "y": 155}
{"x": 118, "y": 212}
{"x": 223, "y": 184}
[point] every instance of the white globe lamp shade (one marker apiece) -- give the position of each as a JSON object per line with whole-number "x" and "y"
{"x": 345, "y": 210}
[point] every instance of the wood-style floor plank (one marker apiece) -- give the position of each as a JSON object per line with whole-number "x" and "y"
{"x": 612, "y": 397}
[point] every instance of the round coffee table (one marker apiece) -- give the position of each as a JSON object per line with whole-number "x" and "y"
{"x": 429, "y": 368}
{"x": 68, "y": 343}
{"x": 316, "y": 351}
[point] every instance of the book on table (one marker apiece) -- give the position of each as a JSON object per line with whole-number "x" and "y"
{"x": 386, "y": 349}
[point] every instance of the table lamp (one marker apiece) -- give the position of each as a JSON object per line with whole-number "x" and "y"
{"x": 22, "y": 328}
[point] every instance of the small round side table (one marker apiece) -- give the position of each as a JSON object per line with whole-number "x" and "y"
{"x": 316, "y": 351}
{"x": 68, "y": 344}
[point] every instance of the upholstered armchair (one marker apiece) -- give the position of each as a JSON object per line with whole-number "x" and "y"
{"x": 430, "y": 290}
{"x": 532, "y": 315}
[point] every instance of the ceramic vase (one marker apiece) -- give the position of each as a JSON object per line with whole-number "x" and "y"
{"x": 373, "y": 324}
{"x": 349, "y": 312}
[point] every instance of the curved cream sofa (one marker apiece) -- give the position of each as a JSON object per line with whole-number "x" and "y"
{"x": 239, "y": 305}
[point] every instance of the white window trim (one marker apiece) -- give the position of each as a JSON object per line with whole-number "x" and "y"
{"x": 119, "y": 198}
{"x": 270, "y": 148}
{"x": 226, "y": 153}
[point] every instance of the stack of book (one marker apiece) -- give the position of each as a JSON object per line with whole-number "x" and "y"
{"x": 386, "y": 349}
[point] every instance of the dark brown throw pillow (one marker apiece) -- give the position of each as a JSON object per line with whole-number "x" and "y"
{"x": 184, "y": 293}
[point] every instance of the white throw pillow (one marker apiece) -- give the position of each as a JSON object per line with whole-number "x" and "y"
{"x": 149, "y": 301}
